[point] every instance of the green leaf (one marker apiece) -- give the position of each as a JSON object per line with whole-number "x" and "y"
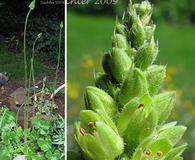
{"x": 19, "y": 132}
{"x": 155, "y": 75}
{"x": 44, "y": 144}
{"x": 43, "y": 126}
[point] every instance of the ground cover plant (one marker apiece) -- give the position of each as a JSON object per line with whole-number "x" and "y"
{"x": 34, "y": 130}
{"x": 126, "y": 114}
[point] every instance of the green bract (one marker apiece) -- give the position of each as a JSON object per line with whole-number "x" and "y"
{"x": 126, "y": 113}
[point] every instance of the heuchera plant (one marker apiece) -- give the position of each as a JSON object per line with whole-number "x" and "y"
{"x": 125, "y": 116}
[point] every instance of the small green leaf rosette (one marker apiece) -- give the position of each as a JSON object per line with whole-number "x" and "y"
{"x": 126, "y": 112}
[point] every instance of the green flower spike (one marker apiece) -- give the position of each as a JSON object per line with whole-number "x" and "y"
{"x": 32, "y": 5}
{"x": 127, "y": 112}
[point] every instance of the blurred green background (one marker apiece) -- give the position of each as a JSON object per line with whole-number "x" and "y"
{"x": 90, "y": 30}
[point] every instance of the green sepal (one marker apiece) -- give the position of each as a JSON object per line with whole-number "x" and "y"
{"x": 173, "y": 134}
{"x": 155, "y": 75}
{"x": 140, "y": 127}
{"x": 134, "y": 86}
{"x": 100, "y": 101}
{"x": 175, "y": 153}
{"x": 149, "y": 31}
{"x": 163, "y": 104}
{"x": 146, "y": 54}
{"x": 167, "y": 126}
{"x": 125, "y": 116}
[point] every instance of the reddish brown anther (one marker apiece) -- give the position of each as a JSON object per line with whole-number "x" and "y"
{"x": 82, "y": 131}
{"x": 141, "y": 106}
{"x": 148, "y": 152}
{"x": 91, "y": 124}
{"x": 159, "y": 153}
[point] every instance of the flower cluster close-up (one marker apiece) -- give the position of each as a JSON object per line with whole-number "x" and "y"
{"x": 125, "y": 116}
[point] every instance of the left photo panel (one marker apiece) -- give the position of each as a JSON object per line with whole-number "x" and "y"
{"x": 32, "y": 80}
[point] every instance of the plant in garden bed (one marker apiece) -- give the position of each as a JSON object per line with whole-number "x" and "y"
{"x": 41, "y": 141}
{"x": 126, "y": 114}
{"x": 44, "y": 137}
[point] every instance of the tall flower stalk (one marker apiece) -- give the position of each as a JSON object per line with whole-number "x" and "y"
{"x": 26, "y": 105}
{"x": 125, "y": 113}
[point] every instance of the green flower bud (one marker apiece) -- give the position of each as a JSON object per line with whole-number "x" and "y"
{"x": 137, "y": 33}
{"x": 99, "y": 101}
{"x": 39, "y": 35}
{"x": 155, "y": 76}
{"x": 144, "y": 10}
{"x": 119, "y": 41}
{"x": 87, "y": 116}
{"x": 162, "y": 145}
{"x": 146, "y": 55}
{"x": 61, "y": 25}
{"x": 120, "y": 29}
{"x": 32, "y": 5}
{"x": 120, "y": 64}
{"x": 164, "y": 103}
{"x": 149, "y": 31}
{"x": 103, "y": 81}
{"x": 134, "y": 86}
{"x": 103, "y": 143}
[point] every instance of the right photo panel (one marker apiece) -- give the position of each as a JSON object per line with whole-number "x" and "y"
{"x": 130, "y": 80}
